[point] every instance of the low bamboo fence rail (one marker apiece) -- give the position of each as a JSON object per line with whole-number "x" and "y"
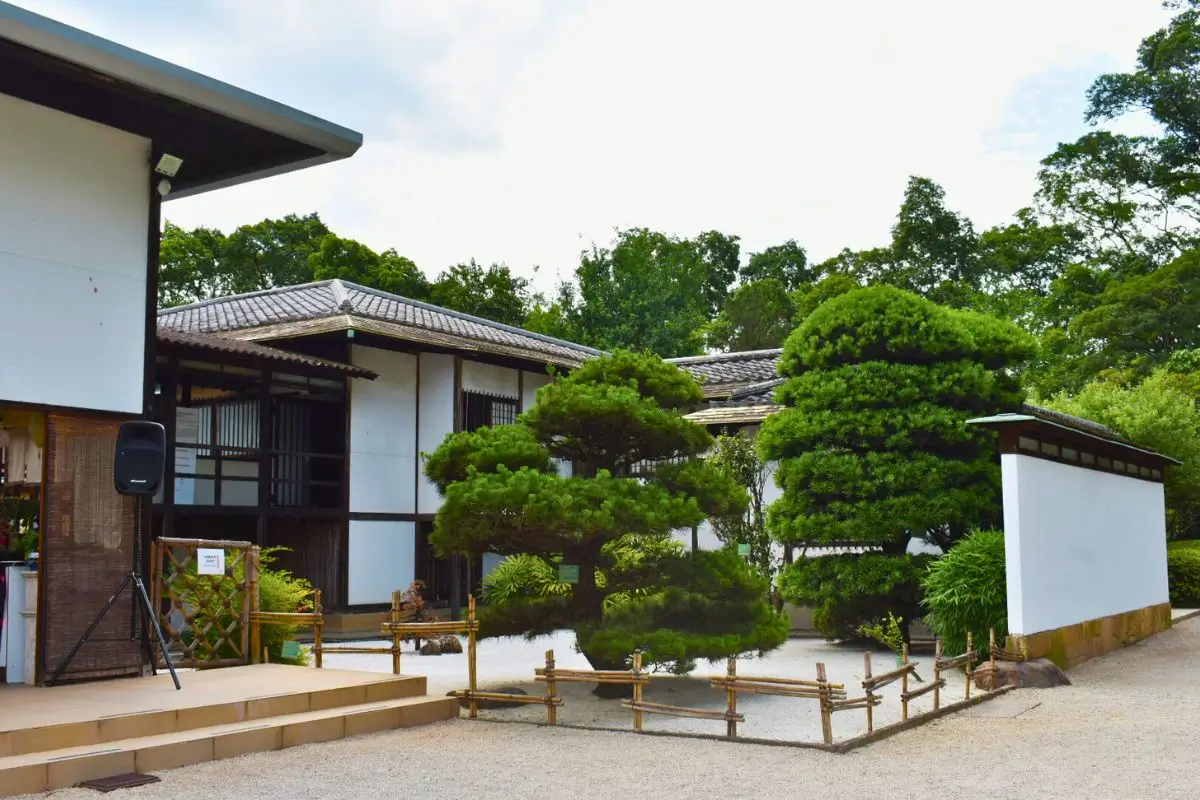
{"x": 314, "y": 619}
{"x": 831, "y": 697}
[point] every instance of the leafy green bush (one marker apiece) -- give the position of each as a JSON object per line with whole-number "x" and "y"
{"x": 1183, "y": 574}
{"x": 848, "y": 590}
{"x": 965, "y": 590}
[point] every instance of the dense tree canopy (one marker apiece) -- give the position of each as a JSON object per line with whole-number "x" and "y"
{"x": 636, "y": 589}
{"x": 872, "y": 446}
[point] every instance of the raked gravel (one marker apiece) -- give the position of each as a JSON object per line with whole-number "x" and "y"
{"x": 1128, "y": 728}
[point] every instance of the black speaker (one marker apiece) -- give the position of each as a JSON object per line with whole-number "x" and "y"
{"x": 141, "y": 457}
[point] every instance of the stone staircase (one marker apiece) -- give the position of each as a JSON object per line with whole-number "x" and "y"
{"x": 42, "y": 757}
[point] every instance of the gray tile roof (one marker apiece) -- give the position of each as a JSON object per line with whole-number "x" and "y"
{"x": 723, "y": 373}
{"x": 404, "y": 318}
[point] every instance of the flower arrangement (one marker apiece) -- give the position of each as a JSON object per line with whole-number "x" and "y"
{"x": 18, "y": 527}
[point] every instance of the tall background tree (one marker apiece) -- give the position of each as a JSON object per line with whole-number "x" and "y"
{"x": 872, "y": 446}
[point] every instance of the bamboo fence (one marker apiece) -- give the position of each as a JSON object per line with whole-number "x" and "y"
{"x": 831, "y": 697}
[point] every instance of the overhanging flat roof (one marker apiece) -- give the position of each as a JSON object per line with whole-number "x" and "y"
{"x": 224, "y": 134}
{"x": 1066, "y": 428}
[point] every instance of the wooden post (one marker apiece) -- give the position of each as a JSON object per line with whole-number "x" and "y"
{"x": 970, "y": 664}
{"x": 394, "y": 617}
{"x": 318, "y": 624}
{"x": 826, "y": 711}
{"x": 991, "y": 659}
{"x": 637, "y": 691}
{"x": 471, "y": 655}
{"x": 731, "y": 698}
{"x": 937, "y": 675}
{"x": 904, "y": 684}
{"x": 551, "y": 690}
{"x": 870, "y": 692}
{"x": 250, "y": 565}
{"x": 266, "y": 656}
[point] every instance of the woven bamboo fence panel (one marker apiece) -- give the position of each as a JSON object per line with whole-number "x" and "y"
{"x": 205, "y": 618}
{"x": 86, "y": 550}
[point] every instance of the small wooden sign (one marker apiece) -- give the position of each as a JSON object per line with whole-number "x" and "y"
{"x": 210, "y": 561}
{"x": 568, "y": 573}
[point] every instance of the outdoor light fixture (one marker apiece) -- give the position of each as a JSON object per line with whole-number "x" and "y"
{"x": 168, "y": 165}
{"x": 163, "y": 187}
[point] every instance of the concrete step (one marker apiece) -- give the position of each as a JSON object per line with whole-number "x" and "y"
{"x": 38, "y": 738}
{"x": 64, "y": 767}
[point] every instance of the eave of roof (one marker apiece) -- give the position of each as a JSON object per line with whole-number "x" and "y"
{"x": 717, "y": 358}
{"x": 160, "y": 78}
{"x": 237, "y": 347}
{"x": 732, "y": 415}
{"x": 1073, "y": 427}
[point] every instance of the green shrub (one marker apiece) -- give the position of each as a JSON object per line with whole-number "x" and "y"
{"x": 965, "y": 590}
{"x": 1183, "y": 574}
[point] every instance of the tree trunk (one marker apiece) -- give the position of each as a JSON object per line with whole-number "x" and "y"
{"x": 589, "y": 610}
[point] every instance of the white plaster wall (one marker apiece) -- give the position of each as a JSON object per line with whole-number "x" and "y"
{"x": 489, "y": 378}
{"x": 437, "y": 418}
{"x": 1080, "y": 544}
{"x": 383, "y": 433}
{"x": 530, "y": 383}
{"x": 74, "y": 211}
{"x": 382, "y": 558}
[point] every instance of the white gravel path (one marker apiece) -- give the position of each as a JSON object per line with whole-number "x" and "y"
{"x": 510, "y": 662}
{"x": 1128, "y": 728}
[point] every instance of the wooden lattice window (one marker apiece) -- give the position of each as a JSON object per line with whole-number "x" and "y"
{"x": 487, "y": 410}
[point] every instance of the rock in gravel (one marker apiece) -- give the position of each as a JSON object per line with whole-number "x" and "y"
{"x": 1039, "y": 674}
{"x": 450, "y": 644}
{"x": 431, "y": 648}
{"x": 486, "y": 704}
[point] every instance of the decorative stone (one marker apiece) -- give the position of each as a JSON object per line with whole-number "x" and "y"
{"x": 450, "y": 644}
{"x": 492, "y": 704}
{"x": 1039, "y": 674}
{"x": 431, "y": 648}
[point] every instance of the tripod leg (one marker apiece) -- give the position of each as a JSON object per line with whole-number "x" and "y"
{"x": 58, "y": 671}
{"x": 152, "y": 620}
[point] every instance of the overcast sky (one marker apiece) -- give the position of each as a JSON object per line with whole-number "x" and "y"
{"x": 519, "y": 131}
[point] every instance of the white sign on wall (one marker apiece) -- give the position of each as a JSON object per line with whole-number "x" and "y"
{"x": 210, "y": 561}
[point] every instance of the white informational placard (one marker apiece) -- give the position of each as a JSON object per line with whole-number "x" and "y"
{"x": 210, "y": 561}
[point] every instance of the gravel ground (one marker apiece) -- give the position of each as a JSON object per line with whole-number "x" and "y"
{"x": 1126, "y": 729}
{"x": 506, "y": 663}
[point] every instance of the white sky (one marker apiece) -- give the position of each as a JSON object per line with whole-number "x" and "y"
{"x": 519, "y": 131}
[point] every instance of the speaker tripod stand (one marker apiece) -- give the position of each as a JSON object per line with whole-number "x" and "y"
{"x": 149, "y": 618}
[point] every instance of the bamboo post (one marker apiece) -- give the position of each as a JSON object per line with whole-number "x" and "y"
{"x": 472, "y": 683}
{"x": 970, "y": 664}
{"x": 266, "y": 656}
{"x": 826, "y": 711}
{"x": 318, "y": 624}
{"x": 551, "y": 690}
{"x": 991, "y": 659}
{"x": 637, "y": 692}
{"x": 251, "y": 567}
{"x": 394, "y": 617}
{"x": 870, "y": 692}
{"x": 937, "y": 675}
{"x": 731, "y": 698}
{"x": 904, "y": 684}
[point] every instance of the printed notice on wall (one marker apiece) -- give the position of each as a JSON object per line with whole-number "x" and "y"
{"x": 210, "y": 561}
